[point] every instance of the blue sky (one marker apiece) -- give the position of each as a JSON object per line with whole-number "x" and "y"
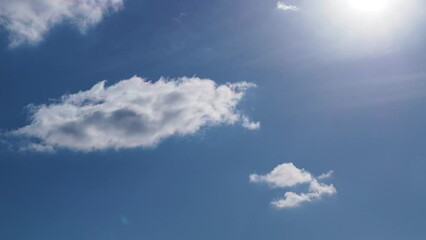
{"x": 218, "y": 119}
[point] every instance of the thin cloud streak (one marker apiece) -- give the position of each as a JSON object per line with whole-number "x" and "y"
{"x": 286, "y": 7}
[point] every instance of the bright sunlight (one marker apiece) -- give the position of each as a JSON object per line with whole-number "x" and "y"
{"x": 370, "y": 5}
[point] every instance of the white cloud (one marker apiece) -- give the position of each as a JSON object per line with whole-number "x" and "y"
{"x": 287, "y": 175}
{"x": 283, "y": 175}
{"x": 326, "y": 175}
{"x": 134, "y": 113}
{"x": 316, "y": 191}
{"x": 29, "y": 20}
{"x": 247, "y": 123}
{"x": 286, "y": 7}
{"x": 291, "y": 200}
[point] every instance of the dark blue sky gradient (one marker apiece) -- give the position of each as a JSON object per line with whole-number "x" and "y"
{"x": 324, "y": 103}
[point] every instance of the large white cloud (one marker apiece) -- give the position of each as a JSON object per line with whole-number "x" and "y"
{"x": 134, "y": 113}
{"x": 287, "y": 175}
{"x": 29, "y": 20}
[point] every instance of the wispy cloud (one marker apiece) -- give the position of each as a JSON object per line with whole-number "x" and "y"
{"x": 286, "y": 7}
{"x": 134, "y": 113}
{"x": 326, "y": 175}
{"x": 287, "y": 175}
{"x": 29, "y": 20}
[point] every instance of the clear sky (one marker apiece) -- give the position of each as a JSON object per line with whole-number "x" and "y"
{"x": 225, "y": 119}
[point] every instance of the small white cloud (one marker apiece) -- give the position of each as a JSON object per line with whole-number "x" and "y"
{"x": 283, "y": 175}
{"x": 291, "y": 200}
{"x": 316, "y": 191}
{"x": 29, "y": 20}
{"x": 326, "y": 175}
{"x": 287, "y": 175}
{"x": 286, "y": 7}
{"x": 247, "y": 123}
{"x": 134, "y": 113}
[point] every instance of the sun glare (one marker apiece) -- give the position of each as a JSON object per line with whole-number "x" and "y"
{"x": 369, "y": 5}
